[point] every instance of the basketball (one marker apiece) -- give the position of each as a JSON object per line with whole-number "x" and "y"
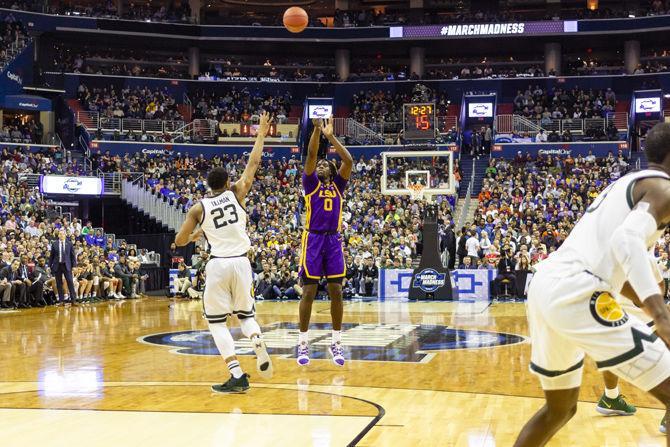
{"x": 295, "y": 19}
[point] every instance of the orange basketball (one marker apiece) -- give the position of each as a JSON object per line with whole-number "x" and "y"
{"x": 295, "y": 19}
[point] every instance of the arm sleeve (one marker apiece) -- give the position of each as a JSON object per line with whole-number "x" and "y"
{"x": 310, "y": 182}
{"x": 629, "y": 249}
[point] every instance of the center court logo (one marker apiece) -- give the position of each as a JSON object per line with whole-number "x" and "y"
{"x": 429, "y": 280}
{"x": 366, "y": 342}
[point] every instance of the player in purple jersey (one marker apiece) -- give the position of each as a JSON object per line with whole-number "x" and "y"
{"x": 322, "y": 255}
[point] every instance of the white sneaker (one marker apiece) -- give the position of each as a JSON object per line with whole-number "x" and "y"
{"x": 303, "y": 354}
{"x": 337, "y": 353}
{"x": 263, "y": 360}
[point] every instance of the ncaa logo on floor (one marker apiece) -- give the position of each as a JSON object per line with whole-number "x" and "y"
{"x": 366, "y": 342}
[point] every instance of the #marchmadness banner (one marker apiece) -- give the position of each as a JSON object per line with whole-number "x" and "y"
{"x": 599, "y": 149}
{"x": 394, "y": 284}
{"x": 484, "y": 29}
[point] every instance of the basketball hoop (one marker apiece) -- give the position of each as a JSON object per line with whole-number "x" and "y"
{"x": 416, "y": 191}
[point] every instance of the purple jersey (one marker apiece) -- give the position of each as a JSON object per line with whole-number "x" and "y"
{"x": 323, "y": 203}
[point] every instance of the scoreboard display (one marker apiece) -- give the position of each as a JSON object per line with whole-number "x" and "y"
{"x": 419, "y": 121}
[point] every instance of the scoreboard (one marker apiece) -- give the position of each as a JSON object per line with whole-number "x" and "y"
{"x": 419, "y": 121}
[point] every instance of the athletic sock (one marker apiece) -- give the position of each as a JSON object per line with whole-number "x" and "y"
{"x": 337, "y": 337}
{"x": 613, "y": 393}
{"x": 235, "y": 370}
{"x": 303, "y": 338}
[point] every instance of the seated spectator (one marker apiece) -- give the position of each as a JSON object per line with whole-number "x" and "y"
{"x": 183, "y": 280}
{"x": 505, "y": 273}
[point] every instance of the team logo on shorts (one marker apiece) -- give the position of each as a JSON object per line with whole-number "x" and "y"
{"x": 401, "y": 342}
{"x": 429, "y": 280}
{"x": 606, "y": 310}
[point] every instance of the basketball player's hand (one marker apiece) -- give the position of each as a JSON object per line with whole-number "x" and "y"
{"x": 264, "y": 125}
{"x": 317, "y": 123}
{"x": 327, "y": 127}
{"x": 656, "y": 308}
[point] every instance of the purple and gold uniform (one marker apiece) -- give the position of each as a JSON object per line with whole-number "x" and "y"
{"x": 322, "y": 253}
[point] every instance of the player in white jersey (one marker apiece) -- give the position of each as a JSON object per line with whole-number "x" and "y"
{"x": 228, "y": 276}
{"x": 571, "y": 308}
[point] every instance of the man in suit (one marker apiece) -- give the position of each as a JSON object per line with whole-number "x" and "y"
{"x": 61, "y": 261}
{"x": 506, "y": 266}
{"x": 128, "y": 279}
{"x": 19, "y": 289}
{"x": 6, "y": 292}
{"x": 448, "y": 244}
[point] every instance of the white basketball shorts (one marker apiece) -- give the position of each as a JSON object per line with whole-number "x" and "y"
{"x": 571, "y": 314}
{"x": 228, "y": 289}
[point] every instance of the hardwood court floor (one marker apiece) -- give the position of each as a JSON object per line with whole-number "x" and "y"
{"x": 138, "y": 373}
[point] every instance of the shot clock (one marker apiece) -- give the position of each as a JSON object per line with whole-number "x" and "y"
{"x": 419, "y": 121}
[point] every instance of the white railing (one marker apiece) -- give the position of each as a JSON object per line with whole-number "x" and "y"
{"x": 348, "y": 127}
{"x": 93, "y": 121}
{"x": 154, "y": 205}
{"x": 520, "y": 124}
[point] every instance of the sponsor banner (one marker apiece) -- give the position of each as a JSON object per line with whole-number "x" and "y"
{"x": 483, "y": 29}
{"x": 269, "y": 153}
{"x": 394, "y": 284}
{"x": 599, "y": 149}
{"x": 16, "y": 74}
{"x": 74, "y": 185}
{"x": 176, "y": 149}
{"x": 26, "y": 102}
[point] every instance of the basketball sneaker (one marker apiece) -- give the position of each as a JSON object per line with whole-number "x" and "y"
{"x": 618, "y": 406}
{"x": 303, "y": 354}
{"x": 337, "y": 353}
{"x": 233, "y": 385}
{"x": 263, "y": 361}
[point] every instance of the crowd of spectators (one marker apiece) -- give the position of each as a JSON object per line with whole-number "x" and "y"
{"x": 141, "y": 103}
{"x": 105, "y": 268}
{"x": 370, "y": 106}
{"x": 439, "y": 12}
{"x": 236, "y": 105}
{"x": 16, "y": 131}
{"x": 119, "y": 61}
{"x": 527, "y": 207}
{"x": 558, "y": 103}
{"x": 379, "y": 231}
{"x": 142, "y": 11}
{"x": 12, "y": 32}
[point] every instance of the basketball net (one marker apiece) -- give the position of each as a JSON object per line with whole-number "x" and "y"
{"x": 416, "y": 191}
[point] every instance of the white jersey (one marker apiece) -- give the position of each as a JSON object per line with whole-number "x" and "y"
{"x": 224, "y": 223}
{"x": 589, "y": 245}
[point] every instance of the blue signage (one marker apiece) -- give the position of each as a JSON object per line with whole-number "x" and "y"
{"x": 269, "y": 152}
{"x": 429, "y": 280}
{"x": 599, "y": 149}
{"x": 394, "y": 284}
{"x": 26, "y": 102}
